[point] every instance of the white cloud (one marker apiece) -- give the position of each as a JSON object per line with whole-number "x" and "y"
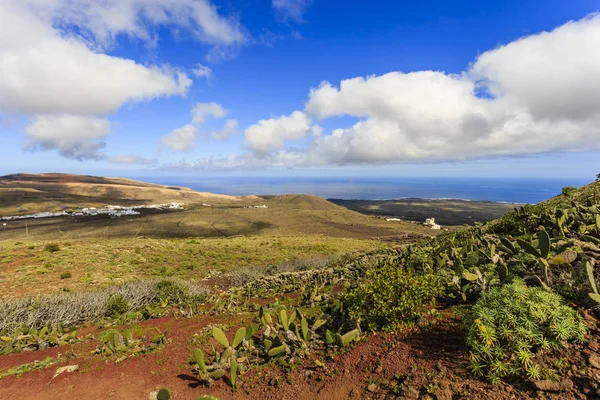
{"x": 535, "y": 95}
{"x": 73, "y": 136}
{"x": 52, "y": 59}
{"x": 131, "y": 159}
{"x": 271, "y": 134}
{"x": 228, "y": 130}
{"x": 291, "y": 10}
{"x": 181, "y": 139}
{"x": 202, "y": 71}
{"x": 201, "y": 111}
{"x": 551, "y": 74}
{"x": 185, "y": 138}
{"x": 102, "y": 21}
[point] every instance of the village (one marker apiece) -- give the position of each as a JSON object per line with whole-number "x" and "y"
{"x": 109, "y": 210}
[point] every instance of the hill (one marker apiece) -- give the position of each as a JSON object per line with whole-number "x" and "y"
{"x": 30, "y": 193}
{"x": 506, "y": 309}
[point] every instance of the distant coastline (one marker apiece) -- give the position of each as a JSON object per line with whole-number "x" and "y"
{"x": 498, "y": 190}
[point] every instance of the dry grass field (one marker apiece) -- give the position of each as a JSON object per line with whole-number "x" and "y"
{"x": 38, "y": 267}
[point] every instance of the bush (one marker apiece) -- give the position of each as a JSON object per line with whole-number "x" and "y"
{"x": 65, "y": 275}
{"x": 172, "y": 292}
{"x": 568, "y": 191}
{"x": 390, "y": 296}
{"x": 52, "y": 247}
{"x": 512, "y": 327}
{"x": 116, "y": 306}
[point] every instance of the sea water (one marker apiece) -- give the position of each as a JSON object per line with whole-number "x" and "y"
{"x": 510, "y": 190}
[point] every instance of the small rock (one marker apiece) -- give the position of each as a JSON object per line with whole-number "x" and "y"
{"x": 372, "y": 387}
{"x": 547, "y": 385}
{"x": 379, "y": 369}
{"x": 593, "y": 345}
{"x": 594, "y": 360}
{"x": 67, "y": 368}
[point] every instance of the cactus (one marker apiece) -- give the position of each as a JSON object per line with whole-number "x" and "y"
{"x": 529, "y": 248}
{"x": 304, "y": 326}
{"x": 544, "y": 244}
{"x": 275, "y": 351}
{"x": 217, "y": 373}
{"x": 220, "y": 337}
{"x": 469, "y": 276}
{"x": 163, "y": 394}
{"x": 233, "y": 373}
{"x": 329, "y": 339}
{"x": 508, "y": 246}
{"x": 199, "y": 358}
{"x": 349, "y": 337}
{"x": 239, "y": 337}
{"x": 251, "y": 331}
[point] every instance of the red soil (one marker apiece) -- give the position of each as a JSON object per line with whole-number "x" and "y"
{"x": 435, "y": 355}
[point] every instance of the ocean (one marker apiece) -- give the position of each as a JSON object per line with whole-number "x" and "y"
{"x": 509, "y": 190}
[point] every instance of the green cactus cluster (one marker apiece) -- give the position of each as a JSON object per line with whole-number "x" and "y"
{"x": 283, "y": 335}
{"x": 114, "y": 341}
{"x": 25, "y": 338}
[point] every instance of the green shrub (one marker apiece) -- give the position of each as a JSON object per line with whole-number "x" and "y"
{"x": 568, "y": 191}
{"x": 65, "y": 275}
{"x": 513, "y": 326}
{"x": 116, "y": 305}
{"x": 171, "y": 292}
{"x": 390, "y": 296}
{"x": 52, "y": 247}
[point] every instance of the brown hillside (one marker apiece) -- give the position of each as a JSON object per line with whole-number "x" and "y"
{"x": 305, "y": 202}
{"x": 27, "y": 193}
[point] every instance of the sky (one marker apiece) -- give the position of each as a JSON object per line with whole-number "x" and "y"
{"x": 304, "y": 87}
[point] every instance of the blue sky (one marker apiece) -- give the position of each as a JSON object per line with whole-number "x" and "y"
{"x": 413, "y": 108}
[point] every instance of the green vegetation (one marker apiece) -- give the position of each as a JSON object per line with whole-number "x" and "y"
{"x": 283, "y": 301}
{"x": 283, "y": 338}
{"x": 389, "y": 296}
{"x": 113, "y": 341}
{"x": 28, "y": 338}
{"x": 568, "y": 191}
{"x": 515, "y": 326}
{"x": 32, "y": 366}
{"x": 52, "y": 247}
{"x": 118, "y": 304}
{"x": 163, "y": 394}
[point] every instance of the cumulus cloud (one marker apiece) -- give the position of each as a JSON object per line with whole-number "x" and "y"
{"x": 181, "y": 139}
{"x": 202, "y": 71}
{"x": 203, "y": 110}
{"x": 73, "y": 136}
{"x": 534, "y": 95}
{"x": 53, "y": 61}
{"x": 271, "y": 134}
{"x": 228, "y": 130}
{"x": 185, "y": 138}
{"x": 131, "y": 159}
{"x": 290, "y": 10}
